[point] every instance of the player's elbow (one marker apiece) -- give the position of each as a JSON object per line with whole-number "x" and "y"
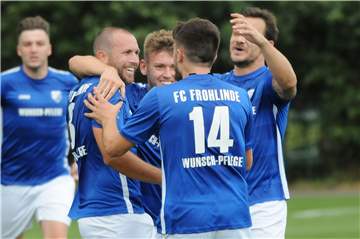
{"x": 73, "y": 61}
{"x": 112, "y": 150}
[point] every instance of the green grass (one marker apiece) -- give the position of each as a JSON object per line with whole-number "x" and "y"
{"x": 324, "y": 216}
{"x": 309, "y": 217}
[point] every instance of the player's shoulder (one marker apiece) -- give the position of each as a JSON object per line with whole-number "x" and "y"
{"x": 63, "y": 76}
{"x": 136, "y": 87}
{"x": 10, "y": 72}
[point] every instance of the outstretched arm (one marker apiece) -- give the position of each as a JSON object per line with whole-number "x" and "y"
{"x": 128, "y": 164}
{"x": 284, "y": 78}
{"x": 109, "y": 78}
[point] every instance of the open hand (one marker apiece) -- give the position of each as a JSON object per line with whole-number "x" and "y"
{"x": 110, "y": 82}
{"x": 102, "y": 110}
{"x": 242, "y": 27}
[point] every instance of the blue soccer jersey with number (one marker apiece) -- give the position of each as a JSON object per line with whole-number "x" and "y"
{"x": 149, "y": 152}
{"x": 266, "y": 179}
{"x": 102, "y": 190}
{"x": 204, "y": 127}
{"x": 35, "y": 141}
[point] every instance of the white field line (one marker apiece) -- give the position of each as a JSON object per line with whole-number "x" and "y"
{"x": 313, "y": 213}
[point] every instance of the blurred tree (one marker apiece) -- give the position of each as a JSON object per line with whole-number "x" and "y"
{"x": 321, "y": 39}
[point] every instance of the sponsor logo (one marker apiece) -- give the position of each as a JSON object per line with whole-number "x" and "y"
{"x": 24, "y": 97}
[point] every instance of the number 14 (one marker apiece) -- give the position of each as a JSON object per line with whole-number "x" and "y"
{"x": 220, "y": 122}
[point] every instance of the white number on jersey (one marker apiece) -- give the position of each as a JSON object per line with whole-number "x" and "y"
{"x": 71, "y": 125}
{"x": 220, "y": 122}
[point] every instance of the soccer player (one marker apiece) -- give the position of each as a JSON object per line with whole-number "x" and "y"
{"x": 158, "y": 67}
{"x": 107, "y": 203}
{"x": 204, "y": 126}
{"x": 271, "y": 88}
{"x": 35, "y": 179}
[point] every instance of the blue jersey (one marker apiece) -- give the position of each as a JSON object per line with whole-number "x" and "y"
{"x": 266, "y": 179}
{"x": 102, "y": 190}
{"x": 149, "y": 152}
{"x": 35, "y": 145}
{"x": 204, "y": 127}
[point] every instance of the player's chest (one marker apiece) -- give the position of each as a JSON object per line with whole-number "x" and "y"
{"x": 40, "y": 97}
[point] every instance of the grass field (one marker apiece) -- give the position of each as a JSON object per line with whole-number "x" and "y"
{"x": 310, "y": 216}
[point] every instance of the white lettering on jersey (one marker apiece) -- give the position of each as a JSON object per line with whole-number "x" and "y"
{"x": 24, "y": 97}
{"x": 79, "y": 152}
{"x": 40, "y": 112}
{"x": 179, "y": 95}
{"x": 154, "y": 141}
{"x": 206, "y": 95}
{"x": 209, "y": 161}
{"x": 80, "y": 91}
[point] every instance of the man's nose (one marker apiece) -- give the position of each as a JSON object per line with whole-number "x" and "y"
{"x": 169, "y": 73}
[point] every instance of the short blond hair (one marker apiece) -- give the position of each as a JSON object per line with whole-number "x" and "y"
{"x": 157, "y": 41}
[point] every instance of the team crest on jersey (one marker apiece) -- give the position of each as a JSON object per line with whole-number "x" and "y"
{"x": 250, "y": 93}
{"x": 56, "y": 95}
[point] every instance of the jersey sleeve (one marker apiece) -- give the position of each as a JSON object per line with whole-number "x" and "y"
{"x": 72, "y": 81}
{"x": 145, "y": 120}
{"x": 122, "y": 115}
{"x": 271, "y": 94}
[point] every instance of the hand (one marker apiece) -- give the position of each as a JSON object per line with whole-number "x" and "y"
{"x": 110, "y": 82}
{"x": 102, "y": 110}
{"x": 242, "y": 27}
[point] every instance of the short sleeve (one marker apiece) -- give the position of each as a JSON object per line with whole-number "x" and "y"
{"x": 145, "y": 120}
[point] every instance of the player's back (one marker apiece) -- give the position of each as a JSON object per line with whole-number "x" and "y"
{"x": 102, "y": 190}
{"x": 203, "y": 124}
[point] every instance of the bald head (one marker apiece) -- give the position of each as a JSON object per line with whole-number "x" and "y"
{"x": 118, "y": 48}
{"x": 104, "y": 41}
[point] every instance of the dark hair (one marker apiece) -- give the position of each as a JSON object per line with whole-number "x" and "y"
{"x": 200, "y": 39}
{"x": 271, "y": 29}
{"x": 32, "y": 23}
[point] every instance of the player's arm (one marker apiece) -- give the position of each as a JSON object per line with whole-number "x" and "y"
{"x": 284, "y": 78}
{"x": 105, "y": 113}
{"x": 110, "y": 80}
{"x": 249, "y": 159}
{"x": 128, "y": 164}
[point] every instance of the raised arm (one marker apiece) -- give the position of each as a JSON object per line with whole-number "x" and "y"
{"x": 110, "y": 80}
{"x": 284, "y": 78}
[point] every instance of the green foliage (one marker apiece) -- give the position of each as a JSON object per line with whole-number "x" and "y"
{"x": 321, "y": 40}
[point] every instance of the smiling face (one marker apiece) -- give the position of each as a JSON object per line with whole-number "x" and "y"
{"x": 159, "y": 68}
{"x": 243, "y": 53}
{"x": 34, "y": 49}
{"x": 124, "y": 55}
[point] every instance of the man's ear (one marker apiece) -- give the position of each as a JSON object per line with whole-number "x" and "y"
{"x": 50, "y": 50}
{"x": 102, "y": 56}
{"x": 180, "y": 54}
{"x": 143, "y": 67}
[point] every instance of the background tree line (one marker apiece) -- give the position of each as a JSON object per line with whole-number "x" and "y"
{"x": 321, "y": 40}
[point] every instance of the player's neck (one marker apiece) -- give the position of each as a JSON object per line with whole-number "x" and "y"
{"x": 195, "y": 69}
{"x": 240, "y": 71}
{"x": 36, "y": 73}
